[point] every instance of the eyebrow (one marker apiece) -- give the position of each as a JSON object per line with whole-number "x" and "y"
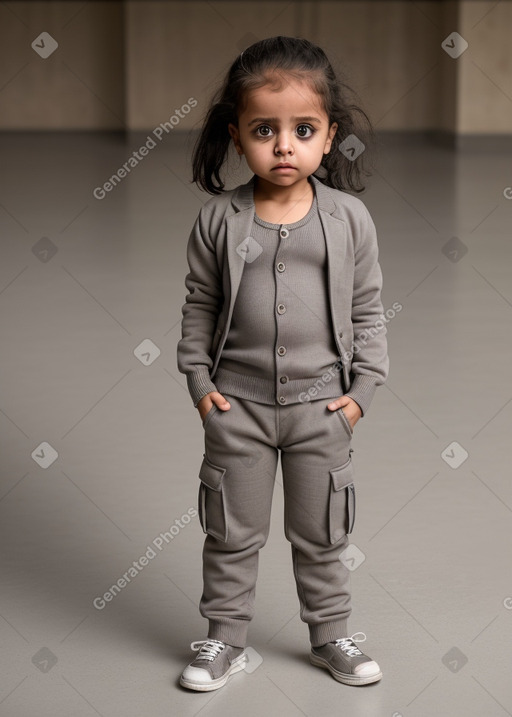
{"x": 269, "y": 120}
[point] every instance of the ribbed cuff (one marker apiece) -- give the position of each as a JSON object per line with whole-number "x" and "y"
{"x": 362, "y": 389}
{"x": 229, "y": 630}
{"x": 327, "y": 632}
{"x": 199, "y": 384}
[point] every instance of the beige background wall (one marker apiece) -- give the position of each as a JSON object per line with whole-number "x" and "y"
{"x": 485, "y": 77}
{"x": 79, "y": 86}
{"x": 128, "y": 65}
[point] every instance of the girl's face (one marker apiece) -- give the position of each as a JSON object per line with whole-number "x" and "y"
{"x": 287, "y": 126}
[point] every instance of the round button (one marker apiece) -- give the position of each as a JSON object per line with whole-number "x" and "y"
{"x": 282, "y": 399}
{"x": 281, "y": 308}
{"x": 340, "y": 334}
{"x": 284, "y": 233}
{"x": 281, "y": 350}
{"x": 281, "y": 267}
{"x": 283, "y": 379}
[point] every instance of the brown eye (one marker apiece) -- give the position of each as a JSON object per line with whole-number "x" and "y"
{"x": 263, "y": 131}
{"x": 303, "y": 129}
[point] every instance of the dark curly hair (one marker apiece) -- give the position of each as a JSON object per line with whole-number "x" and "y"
{"x": 301, "y": 59}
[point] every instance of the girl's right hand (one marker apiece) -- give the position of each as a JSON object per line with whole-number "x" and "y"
{"x": 207, "y": 400}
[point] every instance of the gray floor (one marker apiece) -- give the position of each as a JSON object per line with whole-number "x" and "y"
{"x": 83, "y": 282}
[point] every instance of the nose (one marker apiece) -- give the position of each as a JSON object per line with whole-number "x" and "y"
{"x": 283, "y": 143}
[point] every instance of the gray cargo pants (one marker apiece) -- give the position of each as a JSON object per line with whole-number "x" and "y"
{"x": 235, "y": 493}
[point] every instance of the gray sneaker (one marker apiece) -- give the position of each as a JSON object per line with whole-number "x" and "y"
{"x": 346, "y": 662}
{"x": 213, "y": 665}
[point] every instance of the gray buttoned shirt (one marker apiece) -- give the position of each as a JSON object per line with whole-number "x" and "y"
{"x": 280, "y": 342}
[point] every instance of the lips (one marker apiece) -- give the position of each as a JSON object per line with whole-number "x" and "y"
{"x": 284, "y": 166}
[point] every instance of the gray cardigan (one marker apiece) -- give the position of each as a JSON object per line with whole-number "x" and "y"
{"x": 354, "y": 276}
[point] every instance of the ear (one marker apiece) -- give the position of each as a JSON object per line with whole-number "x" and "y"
{"x": 332, "y": 133}
{"x": 235, "y": 134}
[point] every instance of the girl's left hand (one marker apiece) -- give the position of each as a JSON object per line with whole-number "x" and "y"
{"x": 350, "y": 408}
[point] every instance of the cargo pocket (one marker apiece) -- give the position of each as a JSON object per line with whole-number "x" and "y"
{"x": 342, "y": 501}
{"x": 212, "y": 511}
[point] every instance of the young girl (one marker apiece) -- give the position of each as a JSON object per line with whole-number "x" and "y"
{"x": 280, "y": 347}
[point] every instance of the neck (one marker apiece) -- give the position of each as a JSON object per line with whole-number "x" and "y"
{"x": 265, "y": 191}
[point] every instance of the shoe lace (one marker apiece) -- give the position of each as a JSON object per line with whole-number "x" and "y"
{"x": 348, "y": 646}
{"x": 208, "y": 649}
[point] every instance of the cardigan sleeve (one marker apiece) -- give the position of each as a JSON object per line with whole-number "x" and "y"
{"x": 370, "y": 362}
{"x": 201, "y": 309}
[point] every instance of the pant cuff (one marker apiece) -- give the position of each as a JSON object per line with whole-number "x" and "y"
{"x": 229, "y": 630}
{"x": 327, "y": 632}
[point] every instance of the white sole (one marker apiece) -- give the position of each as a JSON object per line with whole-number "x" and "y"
{"x": 343, "y": 676}
{"x": 236, "y": 666}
